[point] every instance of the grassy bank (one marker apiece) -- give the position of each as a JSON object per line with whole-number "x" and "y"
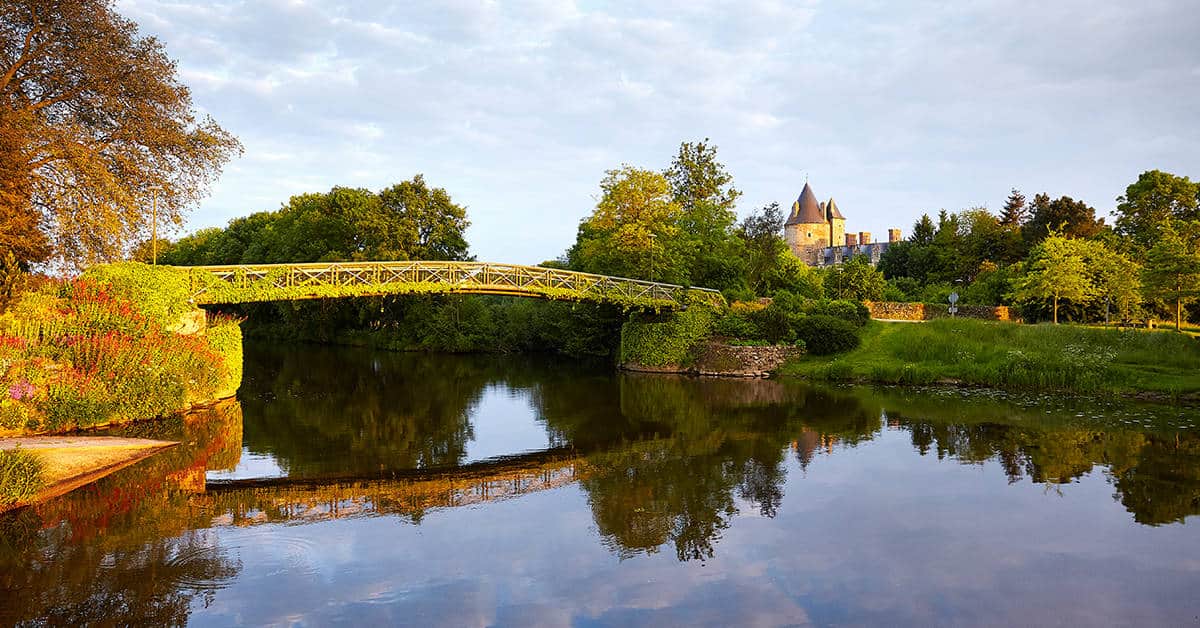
{"x": 20, "y": 476}
{"x": 1018, "y": 357}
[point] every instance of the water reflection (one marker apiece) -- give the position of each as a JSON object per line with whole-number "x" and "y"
{"x": 663, "y": 466}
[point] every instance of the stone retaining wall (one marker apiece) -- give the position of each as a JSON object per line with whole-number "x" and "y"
{"x": 717, "y": 359}
{"x": 896, "y": 311}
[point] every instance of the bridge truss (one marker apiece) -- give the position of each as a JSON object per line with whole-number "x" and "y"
{"x": 285, "y": 282}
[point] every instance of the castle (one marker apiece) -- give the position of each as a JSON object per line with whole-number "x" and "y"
{"x": 816, "y": 233}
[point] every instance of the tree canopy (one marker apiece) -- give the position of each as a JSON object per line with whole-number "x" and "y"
{"x": 93, "y": 120}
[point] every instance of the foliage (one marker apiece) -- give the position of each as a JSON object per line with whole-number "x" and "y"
{"x": 854, "y": 279}
{"x": 1152, "y": 201}
{"x": 1015, "y": 356}
{"x": 408, "y": 220}
{"x": 84, "y": 354}
{"x": 665, "y": 339}
{"x": 1065, "y": 216}
{"x": 12, "y": 279}
{"x": 20, "y": 475}
{"x": 162, "y": 294}
{"x": 92, "y": 119}
{"x": 224, "y": 335}
{"x": 765, "y": 249}
{"x": 825, "y": 335}
{"x": 1057, "y": 272}
{"x": 1172, "y": 270}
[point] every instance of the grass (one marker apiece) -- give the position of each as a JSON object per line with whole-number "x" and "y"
{"x": 20, "y": 476}
{"x": 1064, "y": 358}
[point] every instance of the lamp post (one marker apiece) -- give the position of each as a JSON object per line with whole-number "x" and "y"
{"x": 155, "y": 188}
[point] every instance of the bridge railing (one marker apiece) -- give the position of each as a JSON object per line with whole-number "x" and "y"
{"x": 271, "y": 282}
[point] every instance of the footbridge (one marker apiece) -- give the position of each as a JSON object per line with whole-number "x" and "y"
{"x": 212, "y": 285}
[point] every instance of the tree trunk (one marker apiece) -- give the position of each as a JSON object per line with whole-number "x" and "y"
{"x": 1178, "y": 313}
{"x": 1056, "y": 309}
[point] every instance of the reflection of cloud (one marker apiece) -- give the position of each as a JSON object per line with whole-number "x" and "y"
{"x": 893, "y": 108}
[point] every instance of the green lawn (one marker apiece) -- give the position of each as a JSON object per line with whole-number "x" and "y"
{"x": 1014, "y": 356}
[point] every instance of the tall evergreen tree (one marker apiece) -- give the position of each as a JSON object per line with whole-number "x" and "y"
{"x": 1015, "y": 210}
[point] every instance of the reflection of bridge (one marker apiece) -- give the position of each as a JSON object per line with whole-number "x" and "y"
{"x": 407, "y": 492}
{"x": 286, "y": 282}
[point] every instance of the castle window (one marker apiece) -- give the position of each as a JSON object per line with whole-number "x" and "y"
{"x": 810, "y": 234}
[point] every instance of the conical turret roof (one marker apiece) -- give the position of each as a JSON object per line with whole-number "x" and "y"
{"x": 806, "y": 210}
{"x": 832, "y": 210}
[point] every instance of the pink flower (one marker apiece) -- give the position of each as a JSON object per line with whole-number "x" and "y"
{"x": 20, "y": 390}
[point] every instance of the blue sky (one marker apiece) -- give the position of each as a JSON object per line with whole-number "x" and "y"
{"x": 517, "y": 109}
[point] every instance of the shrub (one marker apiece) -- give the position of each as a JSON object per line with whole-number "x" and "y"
{"x": 20, "y": 476}
{"x": 853, "y": 312}
{"x": 825, "y": 335}
{"x": 736, "y": 325}
{"x": 666, "y": 339}
{"x": 773, "y": 324}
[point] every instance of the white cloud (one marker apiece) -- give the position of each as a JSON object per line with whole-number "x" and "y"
{"x": 517, "y": 109}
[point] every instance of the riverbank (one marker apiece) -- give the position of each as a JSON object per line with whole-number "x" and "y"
{"x": 1158, "y": 365}
{"x": 63, "y": 464}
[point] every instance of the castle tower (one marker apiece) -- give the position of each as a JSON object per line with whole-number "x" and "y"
{"x": 837, "y": 223}
{"x": 808, "y": 229}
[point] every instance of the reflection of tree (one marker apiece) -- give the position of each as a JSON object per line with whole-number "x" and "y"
{"x": 1163, "y": 485}
{"x": 123, "y": 549}
{"x": 674, "y": 452}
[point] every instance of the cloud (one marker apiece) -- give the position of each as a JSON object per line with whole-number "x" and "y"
{"x": 518, "y": 108}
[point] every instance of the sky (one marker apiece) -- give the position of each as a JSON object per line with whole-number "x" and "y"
{"x": 517, "y": 109}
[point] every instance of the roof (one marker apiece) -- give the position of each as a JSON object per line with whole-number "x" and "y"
{"x": 806, "y": 210}
{"x": 832, "y": 210}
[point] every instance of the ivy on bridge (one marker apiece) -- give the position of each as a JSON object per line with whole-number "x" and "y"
{"x": 211, "y": 285}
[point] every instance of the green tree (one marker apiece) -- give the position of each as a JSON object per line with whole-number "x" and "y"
{"x": 1064, "y": 215}
{"x": 1057, "y": 271}
{"x": 1172, "y": 270}
{"x": 633, "y": 230}
{"x": 92, "y": 118}
{"x": 854, "y": 279}
{"x": 706, "y": 241}
{"x": 420, "y": 223}
{"x": 794, "y": 276}
{"x": 923, "y": 231}
{"x": 1154, "y": 199}
{"x": 1115, "y": 278}
{"x": 763, "y": 245}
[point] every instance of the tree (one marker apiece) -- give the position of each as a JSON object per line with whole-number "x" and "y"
{"x": 633, "y": 230}
{"x": 430, "y": 225}
{"x": 855, "y": 279}
{"x": 1154, "y": 199}
{"x": 1114, "y": 277}
{"x": 92, "y": 118}
{"x": 1056, "y": 271}
{"x": 1172, "y": 270}
{"x": 1064, "y": 215}
{"x": 923, "y": 231}
{"x": 763, "y": 245}
{"x": 1014, "y": 212}
{"x": 704, "y": 191}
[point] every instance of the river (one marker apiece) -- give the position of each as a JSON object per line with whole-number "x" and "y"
{"x": 374, "y": 488}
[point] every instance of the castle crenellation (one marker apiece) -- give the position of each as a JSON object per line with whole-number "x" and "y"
{"x": 815, "y": 231}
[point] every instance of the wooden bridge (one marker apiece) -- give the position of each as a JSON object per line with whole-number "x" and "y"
{"x": 212, "y": 285}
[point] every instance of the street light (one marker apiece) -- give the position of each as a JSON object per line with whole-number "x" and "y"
{"x": 156, "y": 188}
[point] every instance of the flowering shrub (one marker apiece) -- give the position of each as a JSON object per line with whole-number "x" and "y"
{"x": 82, "y": 353}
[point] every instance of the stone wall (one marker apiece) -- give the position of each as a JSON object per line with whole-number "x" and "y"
{"x": 896, "y": 311}
{"x": 718, "y": 359}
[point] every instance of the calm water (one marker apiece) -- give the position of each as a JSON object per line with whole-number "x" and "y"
{"x": 348, "y": 486}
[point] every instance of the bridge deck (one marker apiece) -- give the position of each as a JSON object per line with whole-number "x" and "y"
{"x": 286, "y": 282}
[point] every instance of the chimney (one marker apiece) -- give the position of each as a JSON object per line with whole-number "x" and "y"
{"x": 851, "y": 239}
{"x": 893, "y": 235}
{"x": 864, "y": 237}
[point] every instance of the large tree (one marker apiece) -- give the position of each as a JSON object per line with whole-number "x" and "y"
{"x": 634, "y": 229}
{"x": 1155, "y": 198}
{"x": 1172, "y": 270}
{"x": 1064, "y": 215}
{"x": 704, "y": 190}
{"x": 1057, "y": 271}
{"x": 93, "y": 120}
{"x": 763, "y": 245}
